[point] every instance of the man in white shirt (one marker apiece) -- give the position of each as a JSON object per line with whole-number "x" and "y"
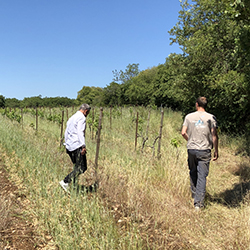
{"x": 75, "y": 145}
{"x": 200, "y": 131}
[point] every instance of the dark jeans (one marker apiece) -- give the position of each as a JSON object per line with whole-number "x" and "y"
{"x": 80, "y": 165}
{"x": 198, "y": 163}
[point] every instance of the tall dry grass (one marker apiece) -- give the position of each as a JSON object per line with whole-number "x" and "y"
{"x": 142, "y": 202}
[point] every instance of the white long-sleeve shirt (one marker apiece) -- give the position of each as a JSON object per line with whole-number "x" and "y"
{"x": 75, "y": 131}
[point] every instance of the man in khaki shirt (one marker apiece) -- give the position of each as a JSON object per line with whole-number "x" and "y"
{"x": 200, "y": 131}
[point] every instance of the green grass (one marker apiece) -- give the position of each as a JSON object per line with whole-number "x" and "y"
{"x": 142, "y": 201}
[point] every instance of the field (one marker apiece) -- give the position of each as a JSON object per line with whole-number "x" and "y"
{"x": 143, "y": 199}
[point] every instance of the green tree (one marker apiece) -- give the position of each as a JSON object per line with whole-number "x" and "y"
{"x": 12, "y": 103}
{"x": 2, "y": 101}
{"x": 140, "y": 89}
{"x": 168, "y": 76}
{"x": 112, "y": 94}
{"x": 90, "y": 95}
{"x": 32, "y": 102}
{"x": 131, "y": 71}
{"x": 211, "y": 37}
{"x": 58, "y": 101}
{"x": 115, "y": 92}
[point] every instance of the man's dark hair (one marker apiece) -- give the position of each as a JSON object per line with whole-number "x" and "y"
{"x": 202, "y": 102}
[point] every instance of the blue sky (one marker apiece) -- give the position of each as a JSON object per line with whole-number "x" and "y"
{"x": 55, "y": 47}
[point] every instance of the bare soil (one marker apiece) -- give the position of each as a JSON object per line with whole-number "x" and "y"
{"x": 16, "y": 228}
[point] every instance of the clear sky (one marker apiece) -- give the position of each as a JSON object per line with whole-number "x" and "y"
{"x": 55, "y": 47}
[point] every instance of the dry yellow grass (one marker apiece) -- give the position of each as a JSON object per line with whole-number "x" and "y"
{"x": 147, "y": 197}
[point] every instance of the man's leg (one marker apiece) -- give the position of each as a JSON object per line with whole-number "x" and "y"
{"x": 72, "y": 155}
{"x": 80, "y": 165}
{"x": 192, "y": 164}
{"x": 204, "y": 157}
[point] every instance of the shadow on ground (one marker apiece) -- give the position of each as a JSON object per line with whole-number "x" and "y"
{"x": 86, "y": 189}
{"x": 239, "y": 194}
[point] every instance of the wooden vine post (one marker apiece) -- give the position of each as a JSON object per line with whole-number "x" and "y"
{"x": 136, "y": 129}
{"x": 98, "y": 139}
{"x": 148, "y": 123}
{"x": 160, "y": 135}
{"x": 110, "y": 117}
{"x": 36, "y": 119}
{"x": 61, "y": 141}
{"x": 93, "y": 120}
{"x": 22, "y": 117}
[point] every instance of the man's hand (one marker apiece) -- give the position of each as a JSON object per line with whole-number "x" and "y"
{"x": 184, "y": 133}
{"x": 215, "y": 143}
{"x": 84, "y": 151}
{"x": 216, "y": 155}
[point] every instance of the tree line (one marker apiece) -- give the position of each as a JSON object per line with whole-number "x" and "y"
{"x": 214, "y": 37}
{"x": 37, "y": 101}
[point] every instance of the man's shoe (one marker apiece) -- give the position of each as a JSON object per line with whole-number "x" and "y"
{"x": 197, "y": 208}
{"x": 64, "y": 185}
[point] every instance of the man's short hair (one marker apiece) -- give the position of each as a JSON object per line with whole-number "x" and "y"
{"x": 202, "y": 102}
{"x": 84, "y": 107}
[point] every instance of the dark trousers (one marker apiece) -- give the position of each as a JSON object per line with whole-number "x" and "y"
{"x": 198, "y": 163}
{"x": 80, "y": 165}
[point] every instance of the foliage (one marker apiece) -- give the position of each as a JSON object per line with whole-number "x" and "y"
{"x": 140, "y": 91}
{"x": 131, "y": 71}
{"x": 58, "y": 101}
{"x": 113, "y": 94}
{"x": 11, "y": 114}
{"x": 2, "y": 101}
{"x": 12, "y": 103}
{"x": 90, "y": 95}
{"x": 38, "y": 101}
{"x": 93, "y": 123}
{"x": 214, "y": 63}
{"x": 175, "y": 142}
{"x": 35, "y": 101}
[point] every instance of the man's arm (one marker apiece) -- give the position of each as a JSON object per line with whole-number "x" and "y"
{"x": 184, "y": 132}
{"x": 215, "y": 143}
{"x": 80, "y": 132}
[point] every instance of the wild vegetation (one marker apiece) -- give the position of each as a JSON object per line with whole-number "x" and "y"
{"x": 142, "y": 202}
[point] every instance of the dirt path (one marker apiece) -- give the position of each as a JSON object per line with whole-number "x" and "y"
{"x": 16, "y": 229}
